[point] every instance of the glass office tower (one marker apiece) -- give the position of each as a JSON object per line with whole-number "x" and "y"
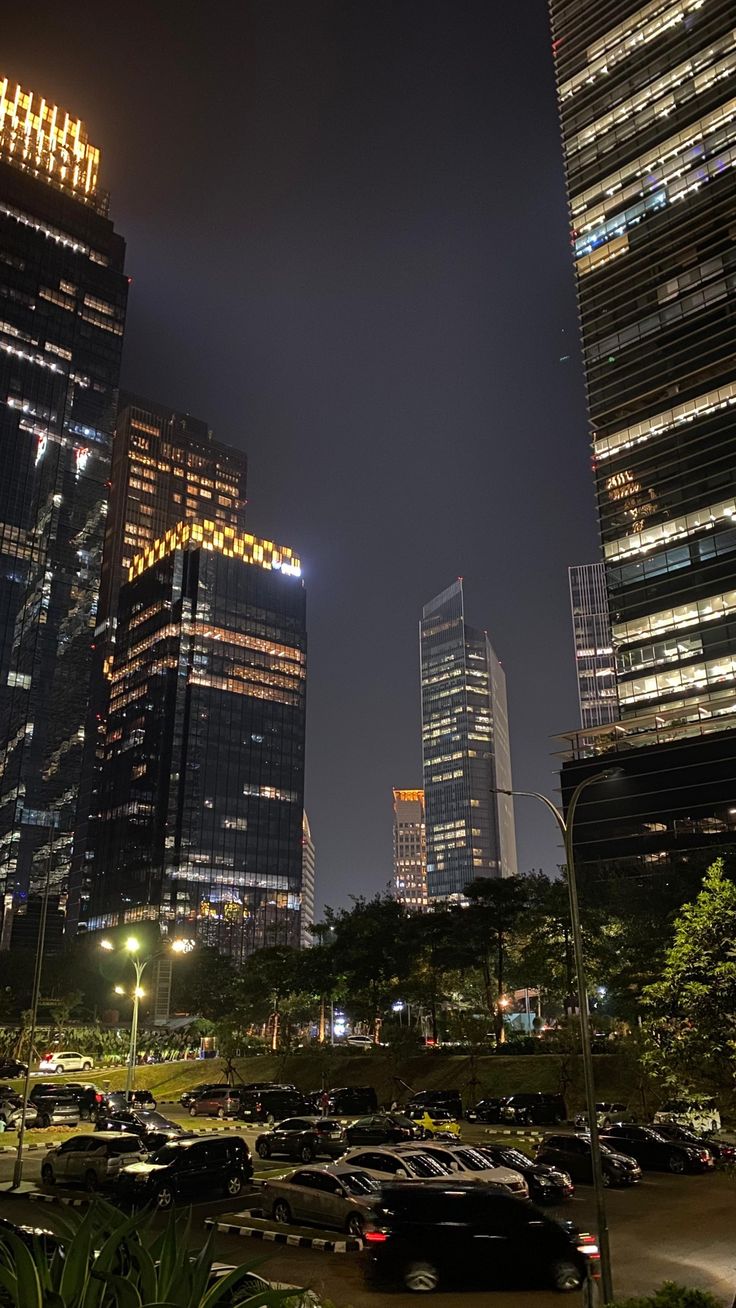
{"x": 410, "y": 850}
{"x": 648, "y": 111}
{"x": 61, "y": 334}
{"x": 202, "y": 789}
{"x": 167, "y": 467}
{"x": 309, "y": 889}
{"x": 465, "y": 750}
{"x": 591, "y": 629}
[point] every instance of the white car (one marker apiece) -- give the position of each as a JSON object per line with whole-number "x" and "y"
{"x": 701, "y": 1115}
{"x": 388, "y": 1164}
{"x": 360, "y": 1042}
{"x": 64, "y": 1060}
{"x": 469, "y": 1165}
{"x": 92, "y": 1160}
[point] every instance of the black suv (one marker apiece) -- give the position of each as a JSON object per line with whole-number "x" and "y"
{"x": 383, "y": 1128}
{"x": 349, "y": 1100}
{"x": 424, "y": 1235}
{"x": 304, "y": 1138}
{"x": 547, "y": 1185}
{"x": 189, "y": 1169}
{"x": 55, "y": 1105}
{"x": 534, "y": 1109}
{"x": 87, "y": 1096}
{"x": 273, "y": 1105}
{"x": 450, "y": 1100}
{"x": 652, "y": 1150}
{"x": 131, "y": 1099}
{"x": 571, "y": 1154}
{"x": 486, "y": 1110}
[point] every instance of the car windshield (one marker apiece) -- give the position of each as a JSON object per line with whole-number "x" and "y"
{"x": 166, "y": 1154}
{"x": 515, "y": 1158}
{"x": 475, "y": 1162}
{"x": 440, "y": 1115}
{"x": 128, "y": 1146}
{"x": 154, "y": 1119}
{"x": 423, "y": 1165}
{"x": 359, "y": 1183}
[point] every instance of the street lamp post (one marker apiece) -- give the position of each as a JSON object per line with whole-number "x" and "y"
{"x": 139, "y": 966}
{"x": 566, "y": 827}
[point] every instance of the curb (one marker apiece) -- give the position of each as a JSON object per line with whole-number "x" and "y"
{"x": 12, "y": 1149}
{"x": 524, "y": 1132}
{"x": 349, "y": 1244}
{"x": 37, "y": 1196}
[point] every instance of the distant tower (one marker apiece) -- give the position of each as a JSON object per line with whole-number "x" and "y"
{"x": 309, "y": 869}
{"x": 466, "y": 752}
{"x": 410, "y": 850}
{"x": 594, "y": 661}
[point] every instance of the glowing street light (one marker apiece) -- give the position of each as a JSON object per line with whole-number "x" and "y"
{"x": 131, "y": 946}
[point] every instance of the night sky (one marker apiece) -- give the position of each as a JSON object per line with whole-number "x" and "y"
{"x": 346, "y": 231}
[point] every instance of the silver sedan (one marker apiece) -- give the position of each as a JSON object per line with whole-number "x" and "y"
{"x": 341, "y": 1197}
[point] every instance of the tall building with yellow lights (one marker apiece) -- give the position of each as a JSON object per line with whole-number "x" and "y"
{"x": 202, "y": 790}
{"x": 410, "y": 850}
{"x": 63, "y": 293}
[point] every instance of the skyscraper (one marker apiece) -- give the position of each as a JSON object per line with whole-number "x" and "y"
{"x": 410, "y": 850}
{"x": 649, "y": 136}
{"x": 64, "y": 300}
{"x": 309, "y": 875}
{"x": 167, "y": 468}
{"x": 465, "y": 750}
{"x": 202, "y": 790}
{"x": 591, "y": 627}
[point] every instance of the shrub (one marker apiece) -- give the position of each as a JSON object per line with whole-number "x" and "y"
{"x": 671, "y": 1296}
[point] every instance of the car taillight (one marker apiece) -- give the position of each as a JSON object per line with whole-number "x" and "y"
{"x": 704, "y": 1155}
{"x": 588, "y": 1245}
{"x": 98, "y": 1099}
{"x": 375, "y": 1237}
{"x": 258, "y": 1108}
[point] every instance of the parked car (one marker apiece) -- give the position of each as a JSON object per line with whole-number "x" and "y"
{"x": 90, "y": 1160}
{"x": 273, "y": 1105}
{"x": 11, "y": 1067}
{"x": 207, "y": 1087}
{"x": 11, "y": 1108}
{"x": 189, "y": 1168}
{"x": 486, "y": 1110}
{"x": 216, "y": 1103}
{"x": 723, "y": 1152}
{"x": 115, "y": 1099}
{"x": 88, "y": 1096}
{"x": 383, "y": 1128}
{"x": 343, "y": 1198}
{"x": 349, "y": 1101}
{"x": 571, "y": 1154}
{"x": 435, "y": 1121}
{"x": 395, "y": 1165}
{"x": 137, "y": 1121}
{"x": 360, "y": 1042}
{"x": 63, "y": 1060}
{"x": 450, "y": 1100}
{"x": 423, "y": 1237}
{"x": 653, "y": 1151}
{"x": 54, "y": 1105}
{"x": 471, "y": 1165}
{"x": 547, "y": 1185}
{"x": 700, "y": 1115}
{"x": 606, "y": 1114}
{"x": 303, "y": 1137}
{"x": 534, "y": 1109}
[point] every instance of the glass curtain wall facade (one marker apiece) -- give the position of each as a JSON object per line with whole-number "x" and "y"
{"x": 647, "y": 96}
{"x": 64, "y": 299}
{"x": 410, "y": 850}
{"x": 166, "y": 468}
{"x": 309, "y": 875}
{"x": 591, "y": 628}
{"x": 465, "y": 751}
{"x": 202, "y": 790}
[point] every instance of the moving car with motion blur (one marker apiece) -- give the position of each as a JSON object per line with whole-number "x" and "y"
{"x": 444, "y": 1236}
{"x": 655, "y": 1153}
{"x": 65, "y": 1060}
{"x": 547, "y": 1185}
{"x": 470, "y": 1164}
{"x": 91, "y": 1160}
{"x": 700, "y": 1115}
{"x": 723, "y": 1152}
{"x": 383, "y": 1128}
{"x": 138, "y": 1121}
{"x": 571, "y": 1154}
{"x": 343, "y": 1197}
{"x": 184, "y": 1170}
{"x": 435, "y": 1121}
{"x": 304, "y": 1138}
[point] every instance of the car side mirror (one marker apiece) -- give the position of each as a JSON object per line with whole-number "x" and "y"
{"x": 402, "y": 1173}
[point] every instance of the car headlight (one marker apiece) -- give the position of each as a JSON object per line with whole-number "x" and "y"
{"x": 616, "y": 1164}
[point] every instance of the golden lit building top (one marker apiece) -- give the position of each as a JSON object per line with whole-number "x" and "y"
{"x": 45, "y": 140}
{"x": 224, "y": 540}
{"x": 408, "y": 796}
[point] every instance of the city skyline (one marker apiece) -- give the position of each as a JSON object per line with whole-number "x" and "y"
{"x": 224, "y": 324}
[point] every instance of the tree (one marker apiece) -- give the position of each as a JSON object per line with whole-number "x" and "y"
{"x": 203, "y": 983}
{"x": 691, "y": 1024}
{"x": 496, "y": 908}
{"x": 374, "y": 950}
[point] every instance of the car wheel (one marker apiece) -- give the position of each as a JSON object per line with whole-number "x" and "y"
{"x": 354, "y": 1225}
{"x": 221, "y": 1114}
{"x": 281, "y": 1212}
{"x": 47, "y": 1174}
{"x": 59, "y": 1068}
{"x": 270, "y": 1119}
{"x": 676, "y": 1163}
{"x": 421, "y": 1277}
{"x": 91, "y": 1182}
{"x": 263, "y": 1149}
{"x": 192, "y": 1111}
{"x": 606, "y": 1178}
{"x": 44, "y": 1121}
{"x": 165, "y": 1197}
{"x": 233, "y": 1186}
{"x": 87, "y": 1067}
{"x": 566, "y": 1277}
{"x": 306, "y": 1153}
